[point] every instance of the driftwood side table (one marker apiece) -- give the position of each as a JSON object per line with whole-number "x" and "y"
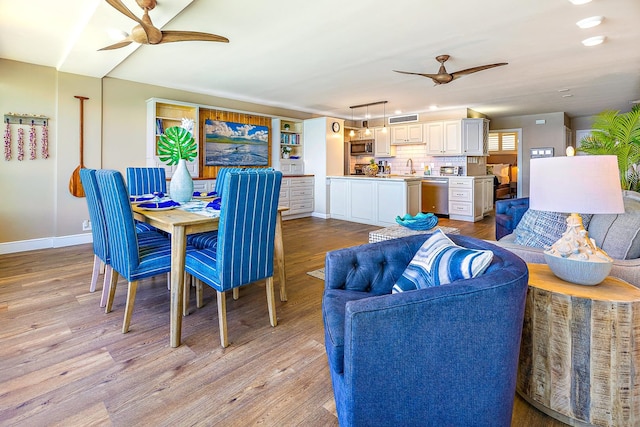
{"x": 580, "y": 350}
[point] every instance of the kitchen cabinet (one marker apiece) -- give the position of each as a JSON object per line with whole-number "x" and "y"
{"x": 287, "y": 152}
{"x": 487, "y": 194}
{"x": 161, "y": 115}
{"x": 374, "y": 201}
{"x": 475, "y": 137}
{"x": 382, "y": 143}
{"x": 296, "y": 193}
{"x": 443, "y": 138}
{"x": 407, "y": 134}
{"x": 204, "y": 185}
{"x": 468, "y": 197}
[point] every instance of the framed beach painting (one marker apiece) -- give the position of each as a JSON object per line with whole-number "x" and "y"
{"x": 235, "y": 144}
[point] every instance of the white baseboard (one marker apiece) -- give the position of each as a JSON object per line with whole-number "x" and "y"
{"x": 45, "y": 243}
{"x": 320, "y": 215}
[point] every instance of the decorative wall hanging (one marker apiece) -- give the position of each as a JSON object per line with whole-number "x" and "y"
{"x": 235, "y": 144}
{"x": 20, "y": 144}
{"x": 32, "y": 141}
{"x": 75, "y": 185}
{"x": 45, "y": 140}
{"x": 22, "y": 120}
{"x": 7, "y": 141}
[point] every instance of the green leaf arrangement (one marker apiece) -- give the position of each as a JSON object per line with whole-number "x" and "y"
{"x": 619, "y": 135}
{"x": 176, "y": 143}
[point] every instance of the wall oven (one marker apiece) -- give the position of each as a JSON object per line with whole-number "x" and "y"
{"x": 361, "y": 147}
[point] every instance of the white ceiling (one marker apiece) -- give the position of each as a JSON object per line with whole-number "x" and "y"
{"x": 324, "y": 56}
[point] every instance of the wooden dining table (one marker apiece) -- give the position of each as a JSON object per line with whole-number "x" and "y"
{"x": 180, "y": 223}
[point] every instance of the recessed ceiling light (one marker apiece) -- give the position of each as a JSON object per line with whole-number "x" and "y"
{"x": 579, "y": 2}
{"x": 593, "y": 41}
{"x": 398, "y": 111}
{"x": 590, "y": 22}
{"x": 563, "y": 90}
{"x": 568, "y": 95}
{"x": 433, "y": 107}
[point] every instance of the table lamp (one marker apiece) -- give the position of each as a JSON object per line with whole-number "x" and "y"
{"x": 572, "y": 184}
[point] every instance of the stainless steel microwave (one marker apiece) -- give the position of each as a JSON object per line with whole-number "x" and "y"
{"x": 361, "y": 147}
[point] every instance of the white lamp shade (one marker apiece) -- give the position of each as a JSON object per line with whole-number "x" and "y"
{"x": 577, "y": 184}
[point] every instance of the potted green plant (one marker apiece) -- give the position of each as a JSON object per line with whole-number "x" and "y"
{"x": 286, "y": 151}
{"x": 177, "y": 147}
{"x": 617, "y": 134}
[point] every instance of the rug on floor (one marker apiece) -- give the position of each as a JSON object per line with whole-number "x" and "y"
{"x": 318, "y": 274}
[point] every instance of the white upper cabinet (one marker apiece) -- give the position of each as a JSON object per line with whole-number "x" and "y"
{"x": 475, "y": 137}
{"x": 407, "y": 134}
{"x": 443, "y": 138}
{"x": 382, "y": 146}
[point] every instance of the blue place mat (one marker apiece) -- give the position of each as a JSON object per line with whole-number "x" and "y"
{"x": 204, "y": 194}
{"x": 215, "y": 204}
{"x": 169, "y": 204}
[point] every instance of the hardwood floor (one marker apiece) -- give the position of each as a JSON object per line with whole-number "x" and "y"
{"x": 65, "y": 362}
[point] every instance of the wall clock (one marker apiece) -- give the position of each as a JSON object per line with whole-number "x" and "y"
{"x": 335, "y": 126}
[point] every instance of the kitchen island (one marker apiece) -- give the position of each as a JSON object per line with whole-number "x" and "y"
{"x": 375, "y": 200}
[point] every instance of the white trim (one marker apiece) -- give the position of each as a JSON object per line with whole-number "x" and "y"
{"x": 45, "y": 243}
{"x": 320, "y": 215}
{"x": 519, "y": 155}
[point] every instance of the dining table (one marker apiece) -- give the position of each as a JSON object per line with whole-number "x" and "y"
{"x": 179, "y": 223}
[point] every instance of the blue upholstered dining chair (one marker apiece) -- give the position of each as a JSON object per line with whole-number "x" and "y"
{"x": 146, "y": 180}
{"x": 142, "y": 181}
{"x": 244, "y": 250}
{"x": 131, "y": 257}
{"x": 209, "y": 239}
{"x": 98, "y": 232}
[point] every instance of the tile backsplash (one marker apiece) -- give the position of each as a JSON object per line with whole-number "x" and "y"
{"x": 399, "y": 164}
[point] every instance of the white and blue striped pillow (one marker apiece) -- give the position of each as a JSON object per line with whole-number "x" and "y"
{"x": 439, "y": 261}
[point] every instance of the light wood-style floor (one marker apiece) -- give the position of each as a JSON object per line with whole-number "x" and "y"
{"x": 65, "y": 362}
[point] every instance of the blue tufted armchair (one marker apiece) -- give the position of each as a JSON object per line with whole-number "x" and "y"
{"x": 441, "y": 356}
{"x": 508, "y": 215}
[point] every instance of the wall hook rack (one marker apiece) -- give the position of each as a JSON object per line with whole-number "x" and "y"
{"x": 15, "y": 118}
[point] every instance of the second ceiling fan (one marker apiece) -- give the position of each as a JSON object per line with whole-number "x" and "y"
{"x": 146, "y": 33}
{"x": 443, "y": 77}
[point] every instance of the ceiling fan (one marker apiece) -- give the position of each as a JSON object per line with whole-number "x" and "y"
{"x": 146, "y": 33}
{"x": 443, "y": 77}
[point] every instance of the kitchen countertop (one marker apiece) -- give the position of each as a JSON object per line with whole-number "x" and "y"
{"x": 455, "y": 176}
{"x": 392, "y": 177}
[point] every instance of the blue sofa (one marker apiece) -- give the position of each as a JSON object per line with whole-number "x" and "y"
{"x": 440, "y": 356}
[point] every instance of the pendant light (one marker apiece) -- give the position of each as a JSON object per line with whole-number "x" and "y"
{"x": 367, "y": 131}
{"x": 352, "y": 132}
{"x": 384, "y": 117}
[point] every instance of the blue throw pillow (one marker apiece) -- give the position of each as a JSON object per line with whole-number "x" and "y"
{"x": 540, "y": 229}
{"x": 439, "y": 261}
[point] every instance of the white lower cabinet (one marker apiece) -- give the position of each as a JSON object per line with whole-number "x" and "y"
{"x": 296, "y": 193}
{"x": 203, "y": 185}
{"x": 375, "y": 201}
{"x": 468, "y": 197}
{"x": 487, "y": 194}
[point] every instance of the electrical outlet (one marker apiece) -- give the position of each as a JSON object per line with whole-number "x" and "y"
{"x": 86, "y": 225}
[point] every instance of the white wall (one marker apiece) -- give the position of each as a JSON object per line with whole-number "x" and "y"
{"x": 323, "y": 156}
{"x": 549, "y": 134}
{"x": 37, "y": 210}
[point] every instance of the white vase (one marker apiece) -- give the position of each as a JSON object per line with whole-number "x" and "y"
{"x": 181, "y": 185}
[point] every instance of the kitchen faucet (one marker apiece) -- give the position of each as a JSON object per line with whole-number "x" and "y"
{"x": 412, "y": 170}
